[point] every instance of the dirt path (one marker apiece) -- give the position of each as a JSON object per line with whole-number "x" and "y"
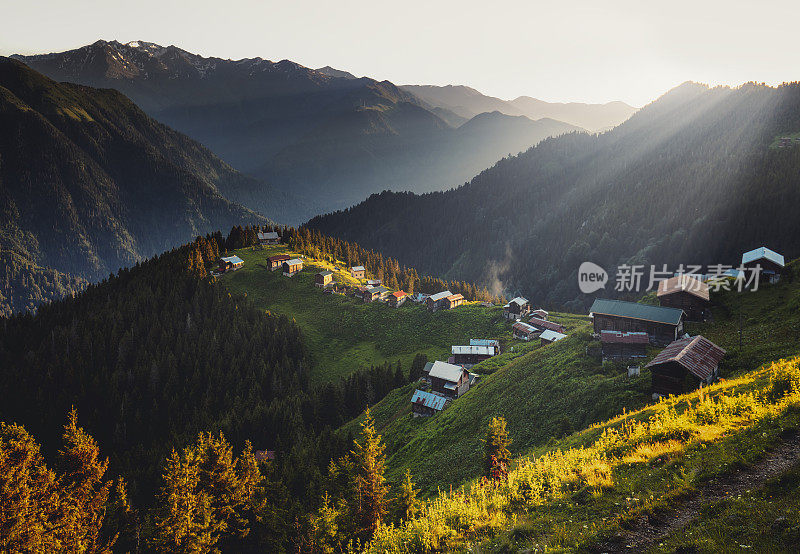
{"x": 646, "y": 532}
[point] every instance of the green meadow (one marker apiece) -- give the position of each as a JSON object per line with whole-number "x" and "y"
{"x": 344, "y": 334}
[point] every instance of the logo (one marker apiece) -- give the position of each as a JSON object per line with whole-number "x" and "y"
{"x": 591, "y": 277}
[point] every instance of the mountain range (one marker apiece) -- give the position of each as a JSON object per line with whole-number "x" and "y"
{"x": 464, "y": 103}
{"x": 696, "y": 177}
{"x": 325, "y": 137}
{"x": 90, "y": 183}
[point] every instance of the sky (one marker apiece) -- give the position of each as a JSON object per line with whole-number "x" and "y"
{"x": 584, "y": 51}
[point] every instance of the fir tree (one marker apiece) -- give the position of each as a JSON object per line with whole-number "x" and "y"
{"x": 496, "y": 455}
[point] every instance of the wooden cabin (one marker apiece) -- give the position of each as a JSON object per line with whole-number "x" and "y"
{"x": 771, "y": 263}
{"x": 370, "y": 294}
{"x": 684, "y": 365}
{"x": 230, "y": 263}
{"x": 619, "y": 345}
{"x": 397, "y": 299}
{"x": 453, "y": 301}
{"x": 686, "y": 293}
{"x": 438, "y": 301}
{"x": 358, "y": 272}
{"x": 541, "y": 314}
{"x": 448, "y": 379}
{"x": 268, "y": 238}
{"x": 523, "y": 331}
{"x": 323, "y": 279}
{"x": 468, "y": 356}
{"x": 516, "y": 308}
{"x": 486, "y": 342}
{"x": 544, "y": 324}
{"x": 292, "y": 267}
{"x": 549, "y": 336}
{"x": 426, "y": 404}
{"x": 663, "y": 325}
{"x": 276, "y": 262}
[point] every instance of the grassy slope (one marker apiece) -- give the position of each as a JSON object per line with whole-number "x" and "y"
{"x": 542, "y": 393}
{"x": 558, "y": 388}
{"x": 765, "y": 520}
{"x": 343, "y": 334}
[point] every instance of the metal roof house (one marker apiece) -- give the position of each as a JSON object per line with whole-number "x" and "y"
{"x": 544, "y": 324}
{"x": 684, "y": 364}
{"x": 358, "y": 272}
{"x": 424, "y": 404}
{"x": 686, "y": 293}
{"x": 230, "y": 263}
{"x": 323, "y": 278}
{"x": 624, "y": 345}
{"x": 486, "y": 342}
{"x": 523, "y": 331}
{"x": 772, "y": 264}
{"x": 292, "y": 267}
{"x": 268, "y": 238}
{"x": 663, "y": 325}
{"x": 448, "y": 379}
{"x": 468, "y": 356}
{"x": 549, "y": 336}
{"x": 438, "y": 301}
{"x": 516, "y": 308}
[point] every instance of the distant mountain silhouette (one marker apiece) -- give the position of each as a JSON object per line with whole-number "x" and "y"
{"x": 467, "y": 102}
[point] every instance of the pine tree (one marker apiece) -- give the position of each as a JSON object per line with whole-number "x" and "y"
{"x": 369, "y": 484}
{"x": 496, "y": 455}
{"x": 83, "y": 490}
{"x": 406, "y": 503}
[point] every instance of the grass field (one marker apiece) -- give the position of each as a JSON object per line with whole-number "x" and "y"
{"x": 547, "y": 392}
{"x": 344, "y": 334}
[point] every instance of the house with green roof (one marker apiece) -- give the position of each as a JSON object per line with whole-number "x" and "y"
{"x": 662, "y": 324}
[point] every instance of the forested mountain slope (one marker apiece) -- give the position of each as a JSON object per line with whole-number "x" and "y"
{"x": 90, "y": 183}
{"x": 692, "y": 178}
{"x": 328, "y": 139}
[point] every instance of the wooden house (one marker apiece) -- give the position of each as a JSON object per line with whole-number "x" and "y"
{"x": 544, "y": 324}
{"x": 523, "y": 331}
{"x": 426, "y": 404}
{"x": 268, "y": 238}
{"x": 549, "y": 336}
{"x": 397, "y": 299}
{"x": 275, "y": 262}
{"x": 662, "y": 325}
{"x": 771, "y": 263}
{"x": 685, "y": 364}
{"x": 619, "y": 345}
{"x": 230, "y": 263}
{"x": 541, "y": 314}
{"x": 448, "y": 379}
{"x": 438, "y": 301}
{"x": 453, "y": 301}
{"x": 370, "y": 294}
{"x": 685, "y": 293}
{"x": 292, "y": 267}
{"x": 486, "y": 342}
{"x": 323, "y": 279}
{"x": 517, "y": 308}
{"x": 468, "y": 356}
{"x": 358, "y": 272}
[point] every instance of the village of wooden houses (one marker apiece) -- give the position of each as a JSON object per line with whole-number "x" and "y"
{"x": 631, "y": 333}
